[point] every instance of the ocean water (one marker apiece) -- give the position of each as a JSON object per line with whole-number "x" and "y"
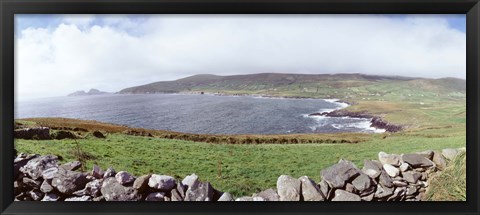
{"x": 202, "y": 114}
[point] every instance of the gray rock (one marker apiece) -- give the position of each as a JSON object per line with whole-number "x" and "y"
{"x": 35, "y": 167}
{"x": 36, "y": 195}
{"x": 385, "y": 180}
{"x": 124, "y": 178}
{"x": 181, "y": 189}
{"x": 397, "y": 194}
{"x": 244, "y": 199}
{"x": 99, "y": 199}
{"x": 51, "y": 197}
{"x": 439, "y": 161}
{"x": 226, "y": 197}
{"x": 364, "y": 184}
{"x": 450, "y": 154}
{"x": 288, "y": 188}
{"x": 35, "y": 184}
{"x": 269, "y": 195}
{"x": 162, "y": 182}
{"x": 428, "y": 154}
{"x": 110, "y": 172}
{"x": 67, "y": 182}
{"x": 350, "y": 188}
{"x": 391, "y": 159}
{"x": 114, "y": 191}
{"x": 201, "y": 191}
{"x": 20, "y": 161}
{"x": 141, "y": 183}
{"x": 72, "y": 166}
{"x": 155, "y": 197}
{"x": 411, "y": 191}
{"x": 98, "y": 173}
{"x": 176, "y": 195}
{"x": 383, "y": 192}
{"x": 310, "y": 191}
{"x": 337, "y": 175}
{"x": 411, "y": 177}
{"x": 190, "y": 180}
{"x": 368, "y": 197}
{"x": 324, "y": 188}
{"x": 404, "y": 167}
{"x": 258, "y": 199}
{"x": 341, "y": 195}
{"x": 372, "y": 168}
{"x": 46, "y": 187}
{"x": 417, "y": 161}
{"x": 79, "y": 199}
{"x": 399, "y": 183}
{"x": 49, "y": 173}
{"x": 92, "y": 188}
{"x": 391, "y": 170}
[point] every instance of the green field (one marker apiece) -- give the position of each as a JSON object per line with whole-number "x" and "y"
{"x": 433, "y": 115}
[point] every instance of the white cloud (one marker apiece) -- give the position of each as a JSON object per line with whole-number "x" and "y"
{"x": 120, "y": 53}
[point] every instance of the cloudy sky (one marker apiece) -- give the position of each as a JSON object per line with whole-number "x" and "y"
{"x": 58, "y": 54}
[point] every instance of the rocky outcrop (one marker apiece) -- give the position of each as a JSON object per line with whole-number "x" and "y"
{"x": 41, "y": 133}
{"x": 393, "y": 178}
{"x": 376, "y": 122}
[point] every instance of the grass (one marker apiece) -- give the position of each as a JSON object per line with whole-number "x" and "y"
{"x": 451, "y": 185}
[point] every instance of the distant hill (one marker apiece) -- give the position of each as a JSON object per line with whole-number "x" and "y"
{"x": 91, "y": 92}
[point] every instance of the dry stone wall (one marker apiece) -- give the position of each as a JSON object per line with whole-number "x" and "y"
{"x": 390, "y": 178}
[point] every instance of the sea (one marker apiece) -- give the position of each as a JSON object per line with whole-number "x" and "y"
{"x": 200, "y": 114}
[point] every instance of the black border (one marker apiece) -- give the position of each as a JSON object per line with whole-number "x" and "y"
{"x": 10, "y": 7}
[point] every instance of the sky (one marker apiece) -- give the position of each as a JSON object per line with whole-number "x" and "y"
{"x": 59, "y": 54}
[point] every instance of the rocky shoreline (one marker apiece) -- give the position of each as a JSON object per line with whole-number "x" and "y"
{"x": 392, "y": 177}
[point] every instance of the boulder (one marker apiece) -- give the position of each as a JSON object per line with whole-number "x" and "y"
{"x": 98, "y": 134}
{"x": 439, "y": 161}
{"x": 20, "y": 161}
{"x": 310, "y": 191}
{"x": 190, "y": 180}
{"x": 383, "y": 192}
{"x": 35, "y": 184}
{"x": 372, "y": 168}
{"x": 391, "y": 170}
{"x": 244, "y": 199}
{"x": 182, "y": 189}
{"x": 110, "y": 172}
{"x": 92, "y": 188}
{"x": 288, "y": 188}
{"x": 114, "y": 191}
{"x": 417, "y": 161}
{"x": 201, "y": 191}
{"x": 49, "y": 173}
{"x": 36, "y": 195}
{"x": 161, "y": 182}
{"x": 404, "y": 167}
{"x": 427, "y": 154}
{"x": 97, "y": 172}
{"x": 124, "y": 178}
{"x": 269, "y": 195}
{"x": 72, "y": 166}
{"x": 411, "y": 176}
{"x": 226, "y": 197}
{"x": 385, "y": 179}
{"x": 35, "y": 167}
{"x": 46, "y": 187}
{"x": 79, "y": 199}
{"x": 67, "y": 182}
{"x": 324, "y": 188}
{"x": 391, "y": 159}
{"x": 364, "y": 184}
{"x": 398, "y": 193}
{"x": 51, "y": 197}
{"x": 141, "y": 183}
{"x": 176, "y": 195}
{"x": 341, "y": 195}
{"x": 450, "y": 154}
{"x": 337, "y": 175}
{"x": 155, "y": 197}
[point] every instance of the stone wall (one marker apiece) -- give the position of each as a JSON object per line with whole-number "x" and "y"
{"x": 390, "y": 178}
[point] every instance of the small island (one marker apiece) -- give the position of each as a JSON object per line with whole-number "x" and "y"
{"x": 91, "y": 92}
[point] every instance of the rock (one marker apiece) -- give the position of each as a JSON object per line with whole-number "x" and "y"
{"x": 72, "y": 166}
{"x": 426, "y": 154}
{"x": 114, "y": 191}
{"x": 385, "y": 179}
{"x": 411, "y": 177}
{"x": 124, "y": 178}
{"x": 288, "y": 188}
{"x": 141, "y": 183}
{"x": 99, "y": 199}
{"x": 244, "y": 199}
{"x": 364, "y": 184}
{"x": 92, "y": 188}
{"x": 167, "y": 199}
{"x": 391, "y": 159}
{"x": 98, "y": 134}
{"x": 372, "y": 168}
{"x": 21, "y": 161}
{"x": 201, "y": 191}
{"x": 411, "y": 191}
{"x": 41, "y": 133}
{"x": 310, "y": 191}
{"x": 98, "y": 173}
{"x": 383, "y": 192}
{"x": 79, "y": 199}
{"x": 337, "y": 175}
{"x": 324, "y": 188}
{"x": 258, "y": 199}
{"x": 110, "y": 172}
{"x": 269, "y": 195}
{"x": 368, "y": 197}
{"x": 450, "y": 154}
{"x": 51, "y": 197}
{"x": 404, "y": 167}
{"x": 35, "y": 184}
{"x": 36, "y": 195}
{"x": 60, "y": 135}
{"x": 35, "y": 167}
{"x": 341, "y": 195}
{"x": 417, "y": 161}
{"x": 155, "y": 197}
{"x": 399, "y": 184}
{"x": 162, "y": 182}
{"x": 181, "y": 189}
{"x": 176, "y": 195}
{"x": 49, "y": 173}
{"x": 226, "y": 197}
{"x": 190, "y": 180}
{"x": 46, "y": 187}
{"x": 439, "y": 161}
{"x": 391, "y": 170}
{"x": 397, "y": 194}
{"x": 67, "y": 182}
